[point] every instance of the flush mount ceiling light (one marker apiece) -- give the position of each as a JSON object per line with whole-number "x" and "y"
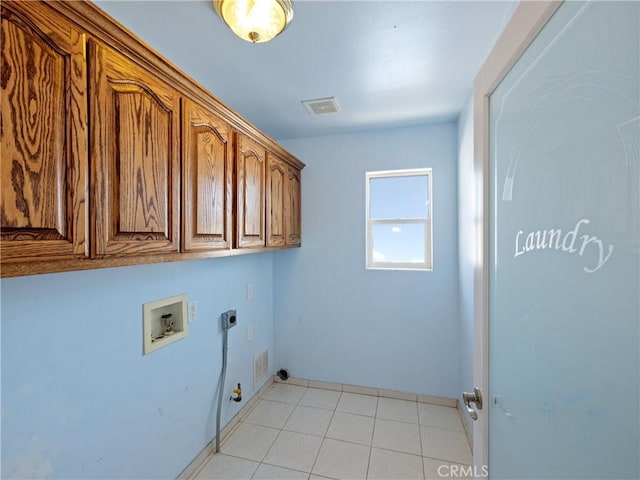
{"x": 255, "y": 21}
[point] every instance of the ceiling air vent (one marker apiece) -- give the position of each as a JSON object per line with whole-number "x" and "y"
{"x": 321, "y": 106}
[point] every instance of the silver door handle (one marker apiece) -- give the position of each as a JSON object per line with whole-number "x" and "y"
{"x": 469, "y": 398}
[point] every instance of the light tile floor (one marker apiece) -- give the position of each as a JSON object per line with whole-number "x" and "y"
{"x": 310, "y": 433}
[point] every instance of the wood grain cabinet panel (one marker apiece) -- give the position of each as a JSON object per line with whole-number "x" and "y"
{"x": 276, "y": 180}
{"x": 293, "y": 207}
{"x": 43, "y": 136}
{"x": 207, "y": 180}
{"x": 250, "y": 175}
{"x": 111, "y": 156}
{"x": 135, "y": 157}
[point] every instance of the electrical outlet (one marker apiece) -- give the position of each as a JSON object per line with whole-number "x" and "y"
{"x": 250, "y": 333}
{"x": 229, "y": 319}
{"x": 193, "y": 311}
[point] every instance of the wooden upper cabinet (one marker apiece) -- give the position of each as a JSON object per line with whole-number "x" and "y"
{"x": 250, "y": 175}
{"x": 276, "y": 179}
{"x": 109, "y": 155}
{"x": 43, "y": 135}
{"x": 283, "y": 203}
{"x": 135, "y": 157}
{"x": 293, "y": 207}
{"x": 207, "y": 180}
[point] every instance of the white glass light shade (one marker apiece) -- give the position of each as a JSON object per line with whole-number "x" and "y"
{"x": 255, "y": 21}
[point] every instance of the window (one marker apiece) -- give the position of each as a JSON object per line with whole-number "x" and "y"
{"x": 399, "y": 219}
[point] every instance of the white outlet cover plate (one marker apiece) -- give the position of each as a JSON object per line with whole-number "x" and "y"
{"x": 193, "y": 311}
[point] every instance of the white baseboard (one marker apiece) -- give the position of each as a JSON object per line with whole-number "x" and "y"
{"x": 376, "y": 392}
{"x": 463, "y": 416}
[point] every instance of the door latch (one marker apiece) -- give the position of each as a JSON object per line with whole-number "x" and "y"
{"x": 469, "y": 398}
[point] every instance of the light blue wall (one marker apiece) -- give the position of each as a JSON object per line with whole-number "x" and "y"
{"x": 80, "y": 400}
{"x": 334, "y": 320}
{"x": 466, "y": 245}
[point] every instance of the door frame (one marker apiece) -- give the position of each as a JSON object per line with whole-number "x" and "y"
{"x": 527, "y": 21}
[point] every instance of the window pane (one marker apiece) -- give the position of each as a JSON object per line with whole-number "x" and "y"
{"x": 399, "y": 243}
{"x": 399, "y": 197}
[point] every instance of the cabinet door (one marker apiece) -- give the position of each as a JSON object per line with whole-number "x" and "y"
{"x": 276, "y": 179}
{"x": 250, "y": 170}
{"x": 135, "y": 138}
{"x": 43, "y": 136}
{"x": 206, "y": 180}
{"x": 293, "y": 220}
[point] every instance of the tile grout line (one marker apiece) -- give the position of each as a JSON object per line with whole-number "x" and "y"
{"x": 373, "y": 434}
{"x": 296, "y": 404}
{"x": 274, "y": 440}
{"x": 424, "y": 473}
{"x": 315, "y": 460}
{"x": 283, "y": 425}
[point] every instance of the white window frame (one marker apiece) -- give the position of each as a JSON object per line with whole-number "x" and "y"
{"x": 426, "y": 221}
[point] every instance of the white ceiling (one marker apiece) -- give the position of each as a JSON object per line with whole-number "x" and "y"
{"x": 389, "y": 63}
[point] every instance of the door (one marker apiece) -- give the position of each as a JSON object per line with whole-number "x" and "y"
{"x": 250, "y": 165}
{"x": 207, "y": 180}
{"x": 43, "y": 136}
{"x": 135, "y": 157}
{"x": 558, "y": 327}
{"x": 293, "y": 207}
{"x": 276, "y": 193}
{"x": 283, "y": 203}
